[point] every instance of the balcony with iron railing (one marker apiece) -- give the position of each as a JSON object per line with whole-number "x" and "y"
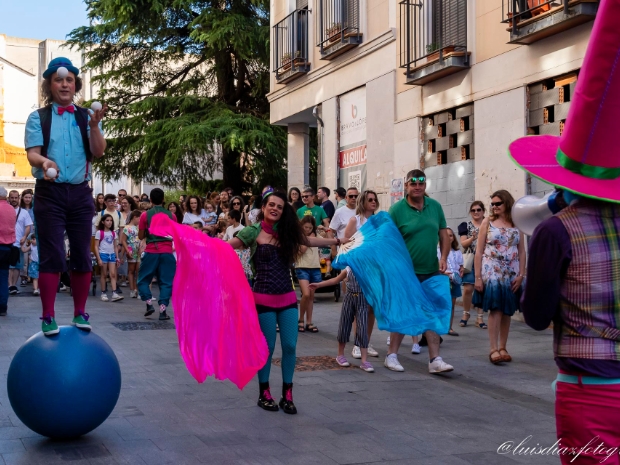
{"x": 338, "y": 26}
{"x": 433, "y": 39}
{"x": 290, "y": 47}
{"x": 532, "y": 20}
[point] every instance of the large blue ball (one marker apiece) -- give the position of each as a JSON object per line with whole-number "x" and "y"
{"x": 65, "y": 385}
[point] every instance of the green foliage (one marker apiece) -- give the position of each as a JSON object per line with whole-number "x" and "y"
{"x": 186, "y": 84}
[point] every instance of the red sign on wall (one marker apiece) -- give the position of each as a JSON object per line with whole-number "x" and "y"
{"x": 353, "y": 157}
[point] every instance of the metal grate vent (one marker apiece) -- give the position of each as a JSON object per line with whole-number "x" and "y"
{"x": 143, "y": 325}
{"x": 313, "y": 363}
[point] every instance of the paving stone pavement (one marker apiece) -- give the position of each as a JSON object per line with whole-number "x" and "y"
{"x": 345, "y": 416}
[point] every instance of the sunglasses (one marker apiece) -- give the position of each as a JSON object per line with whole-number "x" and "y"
{"x": 305, "y": 196}
{"x": 236, "y": 203}
{"x": 122, "y": 195}
{"x": 371, "y": 199}
{"x": 497, "y": 204}
{"x": 352, "y": 196}
{"x": 476, "y": 210}
{"x": 418, "y": 180}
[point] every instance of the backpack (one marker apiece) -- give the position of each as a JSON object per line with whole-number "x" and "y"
{"x": 81, "y": 118}
{"x": 102, "y": 235}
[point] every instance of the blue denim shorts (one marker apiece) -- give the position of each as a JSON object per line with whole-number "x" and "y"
{"x": 312, "y": 275}
{"x": 469, "y": 278}
{"x": 108, "y": 257}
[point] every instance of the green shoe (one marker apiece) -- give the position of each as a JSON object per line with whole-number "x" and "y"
{"x": 81, "y": 321}
{"x": 49, "y": 326}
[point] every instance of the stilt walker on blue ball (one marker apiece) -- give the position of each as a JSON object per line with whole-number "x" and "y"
{"x": 61, "y": 141}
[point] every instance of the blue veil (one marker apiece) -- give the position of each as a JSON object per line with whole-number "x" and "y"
{"x": 380, "y": 260}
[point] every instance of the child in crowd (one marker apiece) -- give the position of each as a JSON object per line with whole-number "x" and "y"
{"x": 234, "y": 224}
{"x": 33, "y": 265}
{"x": 221, "y": 229}
{"x": 208, "y": 214}
{"x": 244, "y": 255}
{"x": 225, "y": 209}
{"x": 197, "y": 225}
{"x": 354, "y": 306}
{"x": 106, "y": 246}
{"x": 144, "y": 206}
{"x": 131, "y": 246}
{"x": 454, "y": 272}
{"x": 308, "y": 271}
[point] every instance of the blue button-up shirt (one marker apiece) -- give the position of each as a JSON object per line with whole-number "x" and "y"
{"x": 66, "y": 147}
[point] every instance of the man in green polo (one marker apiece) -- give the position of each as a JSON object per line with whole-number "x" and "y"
{"x": 422, "y": 223}
{"x": 309, "y": 208}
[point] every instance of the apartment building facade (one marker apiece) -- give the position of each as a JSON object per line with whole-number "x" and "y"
{"x": 442, "y": 85}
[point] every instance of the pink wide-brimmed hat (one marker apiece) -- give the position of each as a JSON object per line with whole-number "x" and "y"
{"x": 586, "y": 158}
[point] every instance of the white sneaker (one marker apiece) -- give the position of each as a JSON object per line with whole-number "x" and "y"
{"x": 415, "y": 349}
{"x": 124, "y": 284}
{"x": 104, "y": 297}
{"x": 36, "y": 292}
{"x": 133, "y": 294}
{"x": 356, "y": 352}
{"x": 63, "y": 288}
{"x": 439, "y": 366}
{"x": 388, "y": 340}
{"x": 116, "y": 297}
{"x": 391, "y": 363}
{"x": 372, "y": 352}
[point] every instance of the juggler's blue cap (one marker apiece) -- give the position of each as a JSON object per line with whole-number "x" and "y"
{"x": 57, "y": 63}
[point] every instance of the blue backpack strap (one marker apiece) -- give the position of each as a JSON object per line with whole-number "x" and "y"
{"x": 45, "y": 116}
{"x": 81, "y": 118}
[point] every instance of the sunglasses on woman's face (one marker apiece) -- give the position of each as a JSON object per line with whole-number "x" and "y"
{"x": 476, "y": 210}
{"x": 372, "y": 199}
{"x": 235, "y": 204}
{"x": 497, "y": 204}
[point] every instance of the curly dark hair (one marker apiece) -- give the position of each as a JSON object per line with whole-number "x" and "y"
{"x": 46, "y": 89}
{"x": 188, "y": 209}
{"x": 290, "y": 233}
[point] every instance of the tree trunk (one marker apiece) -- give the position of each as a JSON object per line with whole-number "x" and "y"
{"x": 231, "y": 169}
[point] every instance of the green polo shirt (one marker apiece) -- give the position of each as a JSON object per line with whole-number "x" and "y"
{"x": 420, "y": 230}
{"x": 317, "y": 212}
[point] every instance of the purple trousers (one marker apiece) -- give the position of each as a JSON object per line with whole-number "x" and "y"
{"x": 60, "y": 207}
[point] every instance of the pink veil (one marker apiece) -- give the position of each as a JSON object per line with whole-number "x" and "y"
{"x": 214, "y": 311}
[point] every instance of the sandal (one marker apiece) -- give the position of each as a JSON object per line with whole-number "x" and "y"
{"x": 507, "y": 357}
{"x": 481, "y": 324}
{"x": 497, "y": 360}
{"x": 463, "y": 322}
{"x": 452, "y": 333}
{"x": 300, "y": 326}
{"x": 311, "y": 328}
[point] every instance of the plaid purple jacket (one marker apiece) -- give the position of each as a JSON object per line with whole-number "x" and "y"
{"x": 590, "y": 293}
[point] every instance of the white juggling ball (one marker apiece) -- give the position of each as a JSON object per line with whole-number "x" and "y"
{"x": 51, "y": 173}
{"x": 62, "y": 72}
{"x": 95, "y": 106}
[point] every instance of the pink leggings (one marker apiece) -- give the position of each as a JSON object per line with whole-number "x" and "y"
{"x": 587, "y": 419}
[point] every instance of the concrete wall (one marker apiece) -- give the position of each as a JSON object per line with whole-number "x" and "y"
{"x": 499, "y": 120}
{"x": 453, "y": 186}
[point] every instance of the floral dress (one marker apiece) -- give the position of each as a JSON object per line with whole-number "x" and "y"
{"x": 500, "y": 267}
{"x": 133, "y": 243}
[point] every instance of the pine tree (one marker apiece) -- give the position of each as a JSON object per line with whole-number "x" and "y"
{"x": 186, "y": 84}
